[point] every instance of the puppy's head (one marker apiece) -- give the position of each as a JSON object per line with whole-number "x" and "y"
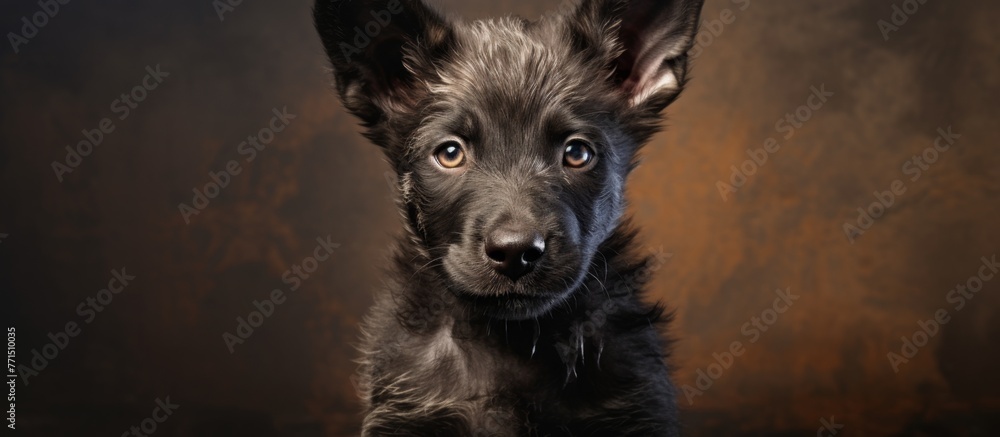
{"x": 512, "y": 139}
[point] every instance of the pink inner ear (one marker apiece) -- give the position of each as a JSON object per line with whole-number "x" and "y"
{"x": 648, "y": 73}
{"x": 651, "y": 34}
{"x": 663, "y": 80}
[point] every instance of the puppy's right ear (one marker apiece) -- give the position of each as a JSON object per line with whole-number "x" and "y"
{"x": 648, "y": 41}
{"x": 377, "y": 49}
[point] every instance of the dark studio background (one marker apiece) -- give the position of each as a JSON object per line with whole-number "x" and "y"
{"x": 162, "y": 336}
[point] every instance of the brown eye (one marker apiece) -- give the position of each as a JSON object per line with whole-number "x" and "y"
{"x": 577, "y": 154}
{"x": 450, "y": 155}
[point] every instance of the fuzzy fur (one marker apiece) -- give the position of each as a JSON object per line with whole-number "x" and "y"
{"x": 450, "y": 347}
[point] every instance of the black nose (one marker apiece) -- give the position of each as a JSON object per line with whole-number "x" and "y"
{"x": 513, "y": 251}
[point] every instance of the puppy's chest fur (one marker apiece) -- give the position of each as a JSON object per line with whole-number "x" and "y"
{"x": 469, "y": 383}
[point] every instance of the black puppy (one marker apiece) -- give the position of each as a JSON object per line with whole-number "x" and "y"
{"x": 512, "y": 140}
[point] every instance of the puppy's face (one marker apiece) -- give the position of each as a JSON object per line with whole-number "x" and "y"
{"x": 512, "y": 139}
{"x": 516, "y": 167}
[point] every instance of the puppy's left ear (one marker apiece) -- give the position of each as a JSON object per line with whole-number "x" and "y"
{"x": 646, "y": 43}
{"x": 375, "y": 49}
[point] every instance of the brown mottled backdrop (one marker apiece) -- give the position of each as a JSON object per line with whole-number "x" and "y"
{"x": 825, "y": 357}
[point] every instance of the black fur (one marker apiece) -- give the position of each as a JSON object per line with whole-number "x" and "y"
{"x": 453, "y": 346}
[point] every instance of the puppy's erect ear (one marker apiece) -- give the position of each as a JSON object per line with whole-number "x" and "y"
{"x": 647, "y": 41}
{"x": 375, "y": 46}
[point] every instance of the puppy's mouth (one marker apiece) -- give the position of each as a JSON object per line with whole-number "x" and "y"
{"x": 479, "y": 284}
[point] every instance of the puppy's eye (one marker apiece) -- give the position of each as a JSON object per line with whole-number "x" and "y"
{"x": 450, "y": 154}
{"x": 577, "y": 154}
